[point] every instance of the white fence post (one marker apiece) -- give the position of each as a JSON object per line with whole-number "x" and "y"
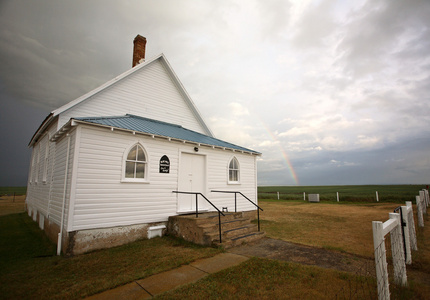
{"x": 380, "y": 260}
{"x": 278, "y": 195}
{"x": 411, "y": 226}
{"x": 337, "y": 196}
{"x": 407, "y": 239}
{"x": 394, "y": 227}
{"x": 377, "y": 197}
{"x": 397, "y": 251}
{"x": 304, "y": 196}
{"x": 426, "y": 193}
{"x": 419, "y": 211}
{"x": 423, "y": 202}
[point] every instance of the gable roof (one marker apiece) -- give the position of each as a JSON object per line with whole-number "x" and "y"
{"x": 154, "y": 128}
{"x": 49, "y": 119}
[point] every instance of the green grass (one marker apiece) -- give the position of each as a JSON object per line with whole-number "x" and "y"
{"x": 10, "y": 190}
{"x": 347, "y": 193}
{"x": 29, "y": 268}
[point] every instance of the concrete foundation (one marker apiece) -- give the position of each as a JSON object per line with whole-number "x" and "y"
{"x": 82, "y": 241}
{"x": 93, "y": 239}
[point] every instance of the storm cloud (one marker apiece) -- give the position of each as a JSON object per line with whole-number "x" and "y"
{"x": 331, "y": 92}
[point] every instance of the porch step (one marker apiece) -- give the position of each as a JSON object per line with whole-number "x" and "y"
{"x": 236, "y": 229}
{"x": 240, "y": 240}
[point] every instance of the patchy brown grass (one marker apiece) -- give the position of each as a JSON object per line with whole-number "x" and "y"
{"x": 12, "y": 204}
{"x": 341, "y": 227}
{"x": 260, "y": 278}
{"x": 332, "y": 226}
{"x": 29, "y": 268}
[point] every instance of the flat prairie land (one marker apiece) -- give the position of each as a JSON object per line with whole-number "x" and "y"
{"x": 12, "y": 204}
{"x": 341, "y": 227}
{"x": 347, "y": 193}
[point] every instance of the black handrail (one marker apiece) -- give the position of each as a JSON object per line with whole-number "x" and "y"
{"x": 235, "y": 203}
{"x": 197, "y": 210}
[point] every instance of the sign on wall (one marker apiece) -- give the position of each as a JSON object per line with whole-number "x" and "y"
{"x": 164, "y": 164}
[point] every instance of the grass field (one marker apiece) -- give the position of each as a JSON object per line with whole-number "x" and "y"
{"x": 10, "y": 190}
{"x": 347, "y": 193}
{"x": 29, "y": 267}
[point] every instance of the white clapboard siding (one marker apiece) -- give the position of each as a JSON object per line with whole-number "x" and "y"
{"x": 149, "y": 92}
{"x": 218, "y": 180}
{"x": 40, "y": 174}
{"x": 103, "y": 200}
{"x": 59, "y": 172}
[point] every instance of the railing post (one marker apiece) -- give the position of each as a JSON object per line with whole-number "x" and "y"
{"x": 258, "y": 218}
{"x": 235, "y": 202}
{"x": 197, "y": 206}
{"x": 219, "y": 225}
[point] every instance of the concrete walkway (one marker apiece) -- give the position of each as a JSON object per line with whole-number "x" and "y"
{"x": 169, "y": 280}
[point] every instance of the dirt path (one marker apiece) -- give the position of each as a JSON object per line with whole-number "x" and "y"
{"x": 286, "y": 251}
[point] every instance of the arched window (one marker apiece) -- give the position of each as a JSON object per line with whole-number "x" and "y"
{"x": 233, "y": 170}
{"x": 135, "y": 164}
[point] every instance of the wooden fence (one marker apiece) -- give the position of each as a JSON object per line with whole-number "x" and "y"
{"x": 401, "y": 228}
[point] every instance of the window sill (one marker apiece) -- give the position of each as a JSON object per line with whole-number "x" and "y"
{"x": 131, "y": 180}
{"x": 233, "y": 182}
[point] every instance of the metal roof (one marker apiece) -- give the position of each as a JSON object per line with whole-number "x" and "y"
{"x": 162, "y": 129}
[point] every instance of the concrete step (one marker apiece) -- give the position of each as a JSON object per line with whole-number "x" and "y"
{"x": 235, "y": 228}
{"x": 211, "y": 217}
{"x": 225, "y": 225}
{"x": 233, "y": 233}
{"x": 239, "y": 240}
{"x": 248, "y": 228}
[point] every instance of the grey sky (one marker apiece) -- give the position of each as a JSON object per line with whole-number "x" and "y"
{"x": 331, "y": 92}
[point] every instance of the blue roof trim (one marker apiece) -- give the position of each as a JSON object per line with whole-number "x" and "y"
{"x": 150, "y": 126}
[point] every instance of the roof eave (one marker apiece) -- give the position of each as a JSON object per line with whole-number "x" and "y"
{"x": 74, "y": 122}
{"x": 48, "y": 120}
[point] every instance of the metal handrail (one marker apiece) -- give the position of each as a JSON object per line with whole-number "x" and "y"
{"x": 235, "y": 203}
{"x": 197, "y": 208}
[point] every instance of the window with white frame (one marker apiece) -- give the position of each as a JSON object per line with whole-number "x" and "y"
{"x": 37, "y": 163}
{"x": 233, "y": 170}
{"x": 33, "y": 164}
{"x": 45, "y": 163}
{"x": 135, "y": 164}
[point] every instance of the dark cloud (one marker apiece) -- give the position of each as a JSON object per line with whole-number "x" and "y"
{"x": 351, "y": 79}
{"x": 17, "y": 125}
{"x": 384, "y": 28}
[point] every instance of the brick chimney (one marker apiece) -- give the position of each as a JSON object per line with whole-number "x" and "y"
{"x": 139, "y": 49}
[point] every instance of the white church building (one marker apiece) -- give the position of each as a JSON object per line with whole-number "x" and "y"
{"x": 105, "y": 166}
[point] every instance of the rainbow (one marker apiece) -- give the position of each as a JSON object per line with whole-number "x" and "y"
{"x": 284, "y": 154}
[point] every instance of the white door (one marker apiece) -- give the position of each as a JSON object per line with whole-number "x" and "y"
{"x": 192, "y": 178}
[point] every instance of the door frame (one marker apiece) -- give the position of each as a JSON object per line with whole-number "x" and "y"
{"x": 204, "y": 206}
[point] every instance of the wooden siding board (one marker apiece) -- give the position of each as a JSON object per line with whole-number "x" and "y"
{"x": 38, "y": 192}
{"x": 149, "y": 92}
{"x": 102, "y": 200}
